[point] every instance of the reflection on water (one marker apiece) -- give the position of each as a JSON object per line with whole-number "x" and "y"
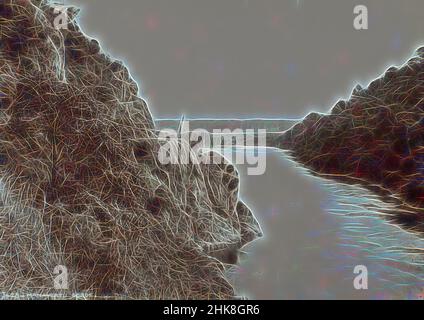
{"x": 395, "y": 256}
{"x": 316, "y": 232}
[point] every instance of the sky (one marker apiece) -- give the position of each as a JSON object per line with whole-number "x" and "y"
{"x": 248, "y": 58}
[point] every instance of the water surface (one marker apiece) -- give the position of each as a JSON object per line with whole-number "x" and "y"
{"x": 316, "y": 232}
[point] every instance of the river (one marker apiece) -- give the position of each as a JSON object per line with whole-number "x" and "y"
{"x": 316, "y": 232}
